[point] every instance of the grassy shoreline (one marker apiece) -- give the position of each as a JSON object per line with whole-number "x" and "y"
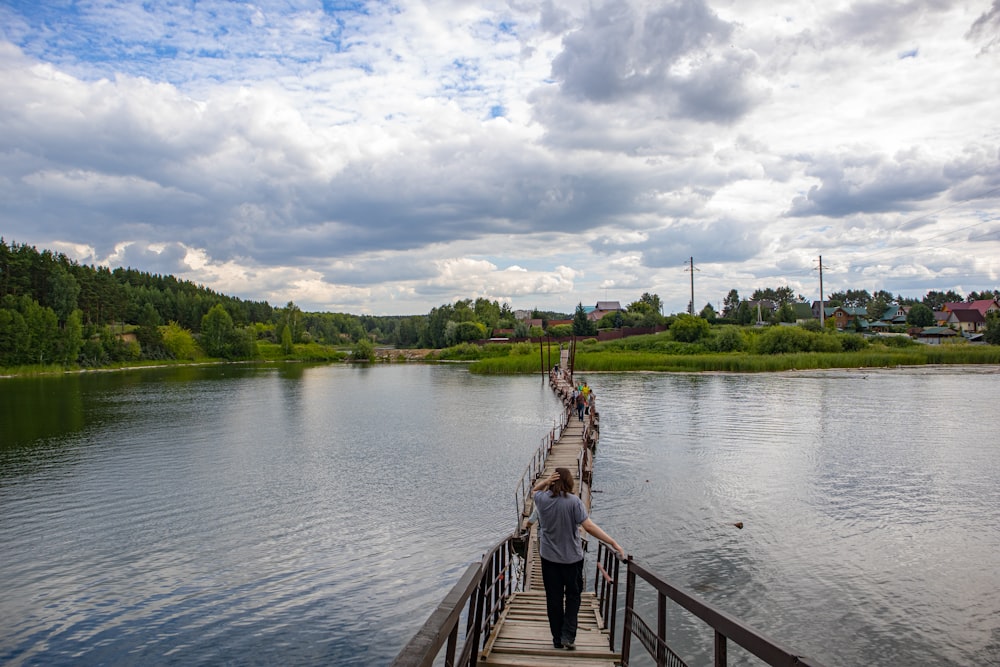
{"x": 610, "y": 361}
{"x": 743, "y": 362}
{"x": 267, "y": 353}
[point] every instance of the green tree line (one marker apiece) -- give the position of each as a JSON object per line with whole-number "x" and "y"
{"x": 54, "y": 310}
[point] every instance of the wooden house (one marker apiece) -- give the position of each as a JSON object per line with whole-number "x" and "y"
{"x": 966, "y": 320}
{"x": 603, "y": 308}
{"x": 848, "y": 316}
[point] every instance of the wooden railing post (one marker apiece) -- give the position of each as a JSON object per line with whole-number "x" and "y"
{"x": 629, "y": 604}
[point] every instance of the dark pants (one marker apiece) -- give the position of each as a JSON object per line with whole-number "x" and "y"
{"x": 562, "y": 580}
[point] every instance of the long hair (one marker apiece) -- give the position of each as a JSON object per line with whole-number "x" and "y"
{"x": 564, "y": 485}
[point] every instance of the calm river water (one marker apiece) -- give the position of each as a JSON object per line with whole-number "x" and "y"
{"x": 303, "y": 515}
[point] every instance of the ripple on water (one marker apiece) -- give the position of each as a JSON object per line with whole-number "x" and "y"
{"x": 864, "y": 538}
{"x": 316, "y": 517}
{"x": 258, "y": 517}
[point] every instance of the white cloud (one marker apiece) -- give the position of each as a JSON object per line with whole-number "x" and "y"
{"x": 396, "y": 158}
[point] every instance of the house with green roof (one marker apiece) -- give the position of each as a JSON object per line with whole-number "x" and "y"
{"x": 803, "y": 312}
{"x": 935, "y": 335}
{"x": 848, "y": 317}
{"x": 894, "y": 316}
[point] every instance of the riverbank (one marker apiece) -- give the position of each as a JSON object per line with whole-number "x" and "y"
{"x": 612, "y": 361}
{"x": 381, "y": 356}
{"x": 744, "y": 362}
{"x": 39, "y": 371}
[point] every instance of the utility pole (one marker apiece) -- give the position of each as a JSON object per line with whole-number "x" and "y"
{"x": 692, "y": 270}
{"x": 822, "y": 303}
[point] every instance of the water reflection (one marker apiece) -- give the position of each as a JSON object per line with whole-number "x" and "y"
{"x": 254, "y": 514}
{"x": 29, "y": 413}
{"x": 314, "y": 515}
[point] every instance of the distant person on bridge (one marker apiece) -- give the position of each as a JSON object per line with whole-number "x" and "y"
{"x": 561, "y": 513}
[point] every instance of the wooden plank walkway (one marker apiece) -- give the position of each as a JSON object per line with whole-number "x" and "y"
{"x": 521, "y": 637}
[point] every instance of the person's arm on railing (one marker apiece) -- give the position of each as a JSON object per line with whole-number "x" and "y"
{"x": 595, "y": 530}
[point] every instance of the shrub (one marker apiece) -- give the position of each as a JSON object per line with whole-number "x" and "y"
{"x": 897, "y": 341}
{"x": 561, "y": 330}
{"x": 728, "y": 339}
{"x": 852, "y": 342}
{"x": 93, "y": 354}
{"x": 130, "y": 351}
{"x": 523, "y": 348}
{"x": 462, "y": 352}
{"x": 689, "y": 329}
{"x": 787, "y": 340}
{"x": 824, "y": 342}
{"x": 363, "y": 350}
{"x": 179, "y": 342}
{"x": 495, "y": 350}
{"x": 992, "y": 335}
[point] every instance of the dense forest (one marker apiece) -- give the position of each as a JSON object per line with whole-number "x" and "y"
{"x": 54, "y": 310}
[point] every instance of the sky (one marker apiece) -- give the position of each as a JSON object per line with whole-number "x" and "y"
{"x": 388, "y": 157}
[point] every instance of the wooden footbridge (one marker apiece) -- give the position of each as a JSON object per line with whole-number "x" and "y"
{"x": 499, "y": 602}
{"x": 521, "y": 636}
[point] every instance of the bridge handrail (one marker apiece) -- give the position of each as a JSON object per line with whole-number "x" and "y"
{"x": 606, "y": 580}
{"x": 482, "y": 592}
{"x": 487, "y": 586}
{"x": 530, "y": 474}
{"x": 726, "y": 627}
{"x": 533, "y": 470}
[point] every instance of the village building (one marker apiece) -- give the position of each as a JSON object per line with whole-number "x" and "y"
{"x": 966, "y": 320}
{"x": 935, "y": 335}
{"x": 893, "y": 317}
{"x": 848, "y": 316}
{"x": 983, "y": 306}
{"x": 816, "y": 306}
{"x": 601, "y": 309}
{"x": 968, "y": 317}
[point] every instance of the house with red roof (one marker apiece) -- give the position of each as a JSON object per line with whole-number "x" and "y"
{"x": 603, "y": 308}
{"x": 969, "y": 317}
{"x": 966, "y": 320}
{"x": 983, "y": 306}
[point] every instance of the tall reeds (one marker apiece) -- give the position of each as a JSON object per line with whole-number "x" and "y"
{"x": 739, "y": 362}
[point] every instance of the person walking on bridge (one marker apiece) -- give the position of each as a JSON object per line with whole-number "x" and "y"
{"x": 561, "y": 513}
{"x": 579, "y": 403}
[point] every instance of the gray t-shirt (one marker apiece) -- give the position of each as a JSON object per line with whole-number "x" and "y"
{"x": 559, "y": 519}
